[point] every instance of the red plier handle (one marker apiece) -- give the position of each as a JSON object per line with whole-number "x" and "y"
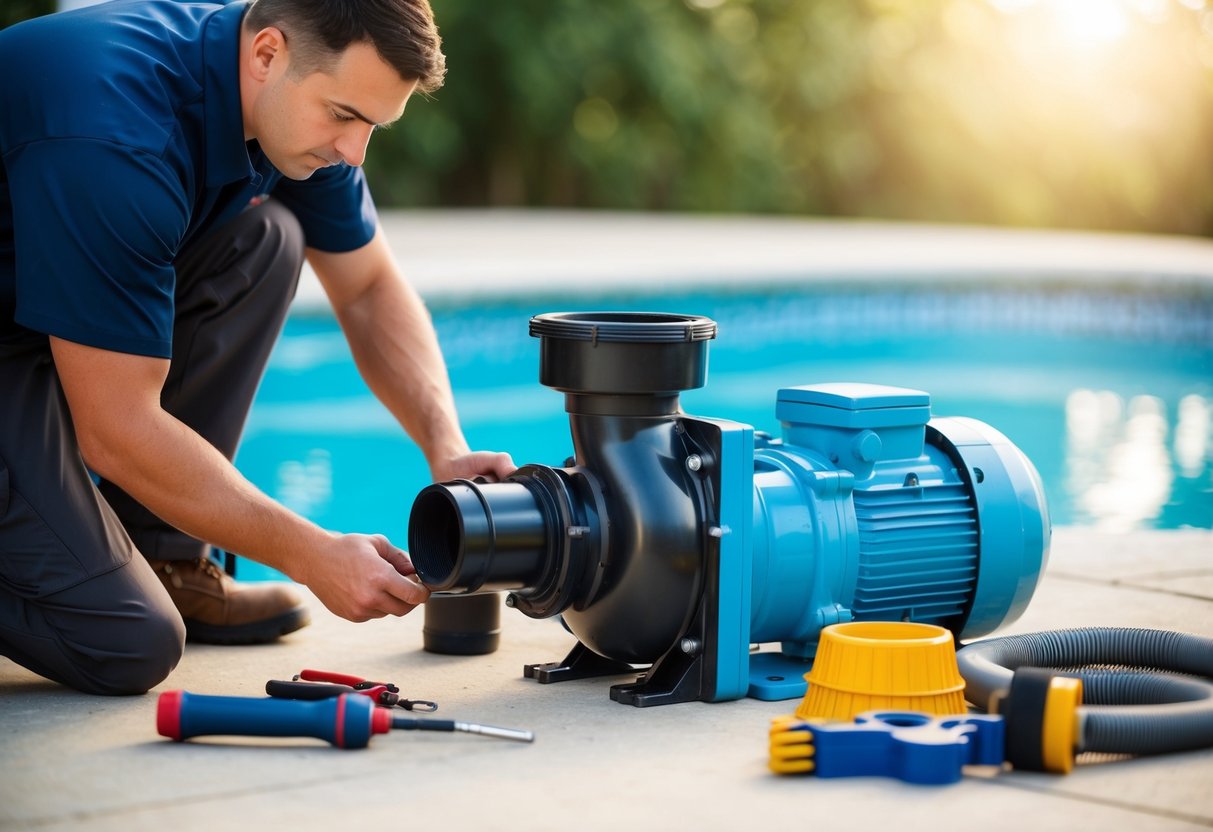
{"x": 384, "y": 693}
{"x": 356, "y": 682}
{"x": 296, "y": 689}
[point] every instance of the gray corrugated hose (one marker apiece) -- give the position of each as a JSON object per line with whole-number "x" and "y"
{"x": 1133, "y": 700}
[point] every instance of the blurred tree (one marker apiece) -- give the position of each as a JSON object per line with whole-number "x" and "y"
{"x": 993, "y": 111}
{"x": 1066, "y": 113}
{"x": 633, "y": 104}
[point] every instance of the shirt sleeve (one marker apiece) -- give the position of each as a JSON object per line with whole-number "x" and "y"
{"x": 334, "y": 207}
{"x": 96, "y": 226}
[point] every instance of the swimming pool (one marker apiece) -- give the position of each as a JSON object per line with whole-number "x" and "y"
{"x": 1110, "y": 394}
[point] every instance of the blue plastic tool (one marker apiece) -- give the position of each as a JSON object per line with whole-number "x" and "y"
{"x": 910, "y": 746}
{"x": 346, "y": 721}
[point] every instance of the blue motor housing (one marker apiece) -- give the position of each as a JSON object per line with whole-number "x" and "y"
{"x": 909, "y": 519}
{"x": 670, "y": 544}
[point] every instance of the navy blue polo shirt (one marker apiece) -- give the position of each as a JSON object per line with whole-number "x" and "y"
{"x": 121, "y": 140}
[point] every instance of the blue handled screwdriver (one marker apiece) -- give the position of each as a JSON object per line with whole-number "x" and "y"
{"x": 346, "y": 721}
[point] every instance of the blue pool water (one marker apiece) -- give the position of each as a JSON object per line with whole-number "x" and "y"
{"x": 1111, "y": 398}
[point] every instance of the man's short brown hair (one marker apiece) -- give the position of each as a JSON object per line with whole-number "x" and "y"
{"x": 403, "y": 32}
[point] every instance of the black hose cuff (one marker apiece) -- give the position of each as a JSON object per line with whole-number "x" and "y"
{"x": 1024, "y": 712}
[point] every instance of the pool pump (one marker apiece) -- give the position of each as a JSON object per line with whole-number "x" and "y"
{"x": 671, "y": 544}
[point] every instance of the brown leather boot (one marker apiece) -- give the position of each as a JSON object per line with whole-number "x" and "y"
{"x": 218, "y": 610}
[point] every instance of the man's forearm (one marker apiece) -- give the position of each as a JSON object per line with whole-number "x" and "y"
{"x": 128, "y": 438}
{"x": 396, "y": 349}
{"x": 394, "y": 344}
{"x": 182, "y": 479}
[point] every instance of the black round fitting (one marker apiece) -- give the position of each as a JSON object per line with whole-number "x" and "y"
{"x": 538, "y": 534}
{"x": 622, "y": 353}
{"x": 460, "y": 540}
{"x": 462, "y": 625}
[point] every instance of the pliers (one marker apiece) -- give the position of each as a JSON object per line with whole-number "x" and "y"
{"x": 321, "y": 684}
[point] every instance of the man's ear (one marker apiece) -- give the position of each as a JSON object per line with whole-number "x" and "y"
{"x": 267, "y": 46}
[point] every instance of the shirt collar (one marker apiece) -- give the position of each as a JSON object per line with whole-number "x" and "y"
{"x": 227, "y": 158}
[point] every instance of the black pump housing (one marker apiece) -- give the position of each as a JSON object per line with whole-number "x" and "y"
{"x": 577, "y": 541}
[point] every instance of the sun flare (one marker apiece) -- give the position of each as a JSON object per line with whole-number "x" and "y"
{"x": 1079, "y": 22}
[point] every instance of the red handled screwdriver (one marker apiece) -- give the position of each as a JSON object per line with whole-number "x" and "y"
{"x": 346, "y": 721}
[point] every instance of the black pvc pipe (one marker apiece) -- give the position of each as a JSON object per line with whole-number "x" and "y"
{"x": 471, "y": 538}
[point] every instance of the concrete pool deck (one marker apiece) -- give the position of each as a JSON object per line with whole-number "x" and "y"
{"x": 454, "y": 254}
{"x": 75, "y": 762}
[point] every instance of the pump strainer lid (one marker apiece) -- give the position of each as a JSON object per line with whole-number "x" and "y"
{"x": 623, "y": 353}
{"x": 623, "y": 327}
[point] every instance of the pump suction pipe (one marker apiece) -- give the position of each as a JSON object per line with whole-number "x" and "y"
{"x": 1038, "y": 681}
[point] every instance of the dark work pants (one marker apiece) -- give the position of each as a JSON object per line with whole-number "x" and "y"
{"x": 78, "y": 602}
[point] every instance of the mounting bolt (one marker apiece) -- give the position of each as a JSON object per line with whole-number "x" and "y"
{"x": 690, "y": 646}
{"x": 694, "y": 462}
{"x": 511, "y": 601}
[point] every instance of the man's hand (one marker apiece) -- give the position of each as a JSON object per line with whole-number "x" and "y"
{"x": 493, "y": 466}
{"x": 360, "y": 577}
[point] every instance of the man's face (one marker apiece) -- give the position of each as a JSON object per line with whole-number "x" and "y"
{"x": 310, "y": 122}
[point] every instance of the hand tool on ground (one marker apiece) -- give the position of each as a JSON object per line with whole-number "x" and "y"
{"x": 321, "y": 684}
{"x": 346, "y": 720}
